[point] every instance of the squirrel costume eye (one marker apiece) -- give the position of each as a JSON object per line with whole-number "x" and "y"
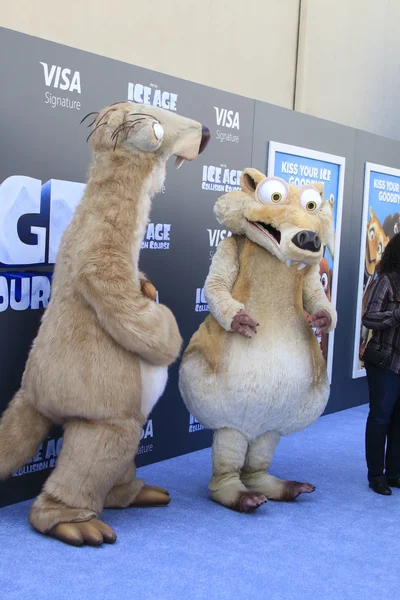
{"x": 272, "y": 191}
{"x": 324, "y": 281}
{"x": 311, "y": 199}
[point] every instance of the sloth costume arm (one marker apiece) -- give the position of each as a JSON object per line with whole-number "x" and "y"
{"x": 219, "y": 283}
{"x": 138, "y": 324}
{"x": 314, "y": 297}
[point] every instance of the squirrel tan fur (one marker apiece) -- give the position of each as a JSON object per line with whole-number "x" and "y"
{"x": 254, "y": 370}
{"x": 100, "y": 360}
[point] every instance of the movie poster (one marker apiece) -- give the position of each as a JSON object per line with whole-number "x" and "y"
{"x": 381, "y": 221}
{"x": 301, "y": 166}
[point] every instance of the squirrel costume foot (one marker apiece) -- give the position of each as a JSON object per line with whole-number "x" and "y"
{"x": 249, "y": 501}
{"x": 274, "y": 488}
{"x": 293, "y": 489}
{"x": 87, "y": 533}
{"x": 240, "y": 500}
{"x": 151, "y": 495}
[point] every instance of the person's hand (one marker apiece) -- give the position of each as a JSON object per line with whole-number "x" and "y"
{"x": 244, "y": 324}
{"x": 321, "y": 321}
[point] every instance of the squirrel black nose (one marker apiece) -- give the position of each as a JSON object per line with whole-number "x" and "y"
{"x": 307, "y": 240}
{"x": 205, "y": 138}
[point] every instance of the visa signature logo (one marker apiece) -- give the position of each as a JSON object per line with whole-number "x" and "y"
{"x": 62, "y": 78}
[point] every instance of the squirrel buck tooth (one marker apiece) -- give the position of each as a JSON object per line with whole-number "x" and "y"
{"x": 301, "y": 266}
{"x": 179, "y": 162}
{"x": 290, "y": 263}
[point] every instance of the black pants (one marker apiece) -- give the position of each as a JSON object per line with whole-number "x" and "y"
{"x": 383, "y": 424}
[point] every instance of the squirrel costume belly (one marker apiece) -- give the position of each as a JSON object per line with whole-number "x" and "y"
{"x": 275, "y": 381}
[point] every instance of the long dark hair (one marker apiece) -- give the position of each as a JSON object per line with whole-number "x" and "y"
{"x": 390, "y": 260}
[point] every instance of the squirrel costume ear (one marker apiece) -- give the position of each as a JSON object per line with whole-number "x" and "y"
{"x": 250, "y": 179}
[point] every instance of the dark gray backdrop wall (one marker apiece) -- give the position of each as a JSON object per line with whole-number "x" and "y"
{"x": 46, "y": 142}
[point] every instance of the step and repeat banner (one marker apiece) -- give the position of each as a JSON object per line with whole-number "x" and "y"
{"x": 43, "y": 166}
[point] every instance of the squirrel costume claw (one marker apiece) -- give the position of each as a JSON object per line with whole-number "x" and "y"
{"x": 254, "y": 370}
{"x": 100, "y": 360}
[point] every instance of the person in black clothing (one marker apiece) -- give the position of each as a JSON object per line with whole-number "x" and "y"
{"x": 382, "y": 364}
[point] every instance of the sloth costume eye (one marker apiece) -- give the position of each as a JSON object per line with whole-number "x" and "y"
{"x": 272, "y": 191}
{"x": 311, "y": 200}
{"x": 324, "y": 281}
{"x": 158, "y": 131}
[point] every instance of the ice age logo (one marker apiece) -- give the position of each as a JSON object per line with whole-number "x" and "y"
{"x": 33, "y": 218}
{"x": 201, "y": 301}
{"x": 194, "y": 424}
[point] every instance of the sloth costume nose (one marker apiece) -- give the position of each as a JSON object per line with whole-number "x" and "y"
{"x": 307, "y": 240}
{"x": 205, "y": 138}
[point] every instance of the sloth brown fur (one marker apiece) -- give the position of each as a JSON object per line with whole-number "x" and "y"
{"x": 99, "y": 362}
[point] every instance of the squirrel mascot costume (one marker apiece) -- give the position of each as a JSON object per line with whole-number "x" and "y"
{"x": 99, "y": 362}
{"x": 254, "y": 370}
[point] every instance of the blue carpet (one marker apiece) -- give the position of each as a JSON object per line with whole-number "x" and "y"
{"x": 341, "y": 542}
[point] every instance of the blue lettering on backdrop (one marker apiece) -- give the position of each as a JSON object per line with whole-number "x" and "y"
{"x": 33, "y": 218}
{"x": 24, "y": 291}
{"x": 384, "y": 195}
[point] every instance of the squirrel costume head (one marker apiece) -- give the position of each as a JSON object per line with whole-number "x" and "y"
{"x": 293, "y": 223}
{"x": 139, "y": 128}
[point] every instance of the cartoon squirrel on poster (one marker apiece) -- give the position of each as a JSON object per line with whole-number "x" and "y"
{"x": 377, "y": 239}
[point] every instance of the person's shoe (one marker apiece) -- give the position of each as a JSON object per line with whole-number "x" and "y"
{"x": 394, "y": 482}
{"x": 380, "y": 486}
